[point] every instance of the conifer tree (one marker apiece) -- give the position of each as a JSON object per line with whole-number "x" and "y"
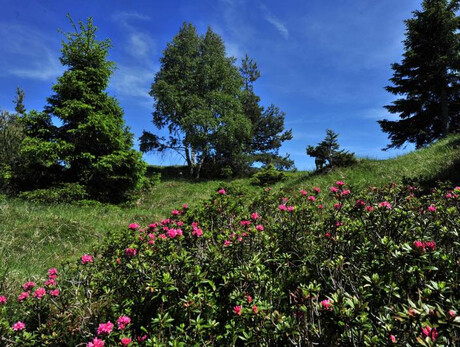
{"x": 93, "y": 147}
{"x": 427, "y": 80}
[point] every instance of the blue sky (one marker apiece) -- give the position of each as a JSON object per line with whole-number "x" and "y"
{"x": 324, "y": 63}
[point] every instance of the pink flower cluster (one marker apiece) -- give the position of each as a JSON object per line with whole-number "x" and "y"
{"x": 2, "y": 300}
{"x": 221, "y": 192}
{"x": 95, "y": 343}
{"x": 86, "y": 258}
{"x": 39, "y": 293}
{"x": 197, "y": 231}
{"x": 424, "y": 245}
{"x": 429, "y": 332}
{"x": 105, "y": 328}
{"x": 385, "y": 204}
{"x": 123, "y": 321}
{"x": 18, "y": 326}
{"x": 326, "y": 305}
{"x": 432, "y": 208}
{"x": 130, "y": 252}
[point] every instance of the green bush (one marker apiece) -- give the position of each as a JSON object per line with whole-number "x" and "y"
{"x": 63, "y": 193}
{"x": 267, "y": 175}
{"x": 336, "y": 267}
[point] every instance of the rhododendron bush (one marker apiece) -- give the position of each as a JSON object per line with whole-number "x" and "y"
{"x": 314, "y": 266}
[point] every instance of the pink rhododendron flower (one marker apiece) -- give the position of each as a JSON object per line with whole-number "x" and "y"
{"x": 369, "y": 208}
{"x": 40, "y": 293}
{"x": 2, "y": 299}
{"x": 360, "y": 203}
{"x": 28, "y": 285}
{"x": 18, "y": 326}
{"x": 326, "y": 305}
{"x": 166, "y": 221}
{"x": 96, "y": 343}
{"x": 282, "y": 207}
{"x": 134, "y": 226}
{"x": 345, "y": 192}
{"x": 303, "y": 192}
{"x": 393, "y": 339}
{"x": 328, "y": 235}
{"x": 431, "y": 245}
{"x": 54, "y": 292}
{"x": 317, "y": 190}
{"x": 162, "y": 236}
{"x": 340, "y": 183}
{"x": 105, "y": 328}
{"x": 284, "y": 199}
{"x": 179, "y": 223}
{"x": 432, "y": 208}
{"x": 227, "y": 243}
{"x": 337, "y": 206}
{"x": 260, "y": 227}
{"x": 248, "y": 298}
{"x": 172, "y": 233}
{"x": 142, "y": 338}
{"x": 175, "y": 212}
{"x": 385, "y": 204}
{"x": 338, "y": 224}
{"x": 153, "y": 225}
{"x": 222, "y": 191}
{"x": 131, "y": 252}
{"x": 123, "y": 321}
{"x": 52, "y": 273}
{"x": 23, "y": 296}
{"x": 255, "y": 310}
{"x": 429, "y": 332}
{"x": 237, "y": 310}
{"x": 449, "y": 196}
{"x": 320, "y": 207}
{"x": 334, "y": 189}
{"x": 86, "y": 258}
{"x": 452, "y": 313}
{"x": 311, "y": 198}
{"x": 185, "y": 206}
{"x": 245, "y": 223}
{"x": 50, "y": 283}
{"x": 290, "y": 208}
{"x": 254, "y": 215}
{"x": 125, "y": 341}
{"x": 197, "y": 232}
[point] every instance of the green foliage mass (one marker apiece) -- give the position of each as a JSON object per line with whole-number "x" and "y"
{"x": 214, "y": 121}
{"x": 327, "y": 154}
{"x": 281, "y": 268}
{"x": 92, "y": 147}
{"x": 427, "y": 80}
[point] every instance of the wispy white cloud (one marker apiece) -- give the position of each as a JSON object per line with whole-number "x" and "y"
{"x": 275, "y": 21}
{"x": 139, "y": 44}
{"x": 133, "y": 82}
{"x": 27, "y": 53}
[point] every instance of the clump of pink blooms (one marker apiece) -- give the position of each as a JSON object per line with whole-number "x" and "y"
{"x": 125, "y": 341}
{"x": 237, "y": 310}
{"x": 429, "y": 332}
{"x": 39, "y": 293}
{"x": 18, "y": 326}
{"x": 105, "y": 328}
{"x": 326, "y": 305}
{"x": 123, "y": 321}
{"x": 86, "y": 258}
{"x": 134, "y": 226}
{"x": 260, "y": 227}
{"x": 432, "y": 208}
{"x": 254, "y": 216}
{"x": 385, "y": 204}
{"x": 3, "y": 299}
{"x": 28, "y": 285}
{"x": 130, "y": 252}
{"x": 424, "y": 245}
{"x": 222, "y": 191}
{"x": 96, "y": 343}
{"x": 23, "y": 296}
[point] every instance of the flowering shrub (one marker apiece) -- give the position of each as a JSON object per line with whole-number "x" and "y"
{"x": 342, "y": 268}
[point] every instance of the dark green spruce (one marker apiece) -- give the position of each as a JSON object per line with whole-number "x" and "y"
{"x": 427, "y": 80}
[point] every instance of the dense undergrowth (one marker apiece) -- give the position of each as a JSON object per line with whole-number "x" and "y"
{"x": 371, "y": 267}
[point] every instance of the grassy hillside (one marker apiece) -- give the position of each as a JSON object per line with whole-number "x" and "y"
{"x": 35, "y": 237}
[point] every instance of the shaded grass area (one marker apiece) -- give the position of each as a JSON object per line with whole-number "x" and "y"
{"x": 36, "y": 237}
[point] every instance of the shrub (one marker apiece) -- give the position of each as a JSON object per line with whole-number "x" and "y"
{"x": 63, "y": 193}
{"x": 267, "y": 175}
{"x": 330, "y": 267}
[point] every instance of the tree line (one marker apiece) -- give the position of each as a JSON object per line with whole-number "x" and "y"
{"x": 208, "y": 104}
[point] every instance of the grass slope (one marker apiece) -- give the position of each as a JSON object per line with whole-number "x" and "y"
{"x": 36, "y": 237}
